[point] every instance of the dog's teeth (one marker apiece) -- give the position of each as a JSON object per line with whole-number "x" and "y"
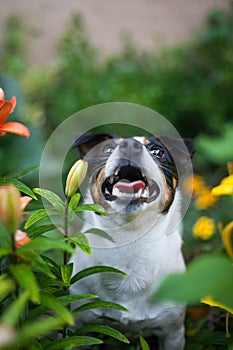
{"x": 116, "y": 171}
{"x": 111, "y": 179}
{"x": 145, "y": 193}
{"x": 139, "y": 193}
{"x": 107, "y": 191}
{"x": 115, "y": 192}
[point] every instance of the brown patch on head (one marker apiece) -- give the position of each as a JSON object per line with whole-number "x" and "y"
{"x": 169, "y": 194}
{"x": 118, "y": 141}
{"x": 96, "y": 192}
{"x": 146, "y": 141}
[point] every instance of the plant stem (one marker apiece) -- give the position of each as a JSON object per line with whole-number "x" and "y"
{"x": 66, "y": 229}
{"x": 14, "y": 261}
{"x": 65, "y": 254}
{"x": 227, "y": 325}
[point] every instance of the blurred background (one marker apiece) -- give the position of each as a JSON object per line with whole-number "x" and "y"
{"x": 175, "y": 57}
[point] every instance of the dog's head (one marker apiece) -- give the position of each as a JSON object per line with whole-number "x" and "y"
{"x": 129, "y": 174}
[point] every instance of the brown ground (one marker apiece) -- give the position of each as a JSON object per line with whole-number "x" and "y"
{"x": 151, "y": 23}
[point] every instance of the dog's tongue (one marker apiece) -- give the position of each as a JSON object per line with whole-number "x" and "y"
{"x": 130, "y": 187}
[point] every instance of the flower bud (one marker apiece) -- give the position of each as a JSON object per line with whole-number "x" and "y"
{"x": 7, "y": 335}
{"x": 24, "y": 201}
{"x": 10, "y": 211}
{"x": 75, "y": 177}
{"x": 21, "y": 238}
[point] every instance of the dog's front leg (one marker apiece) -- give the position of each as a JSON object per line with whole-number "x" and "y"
{"x": 174, "y": 339}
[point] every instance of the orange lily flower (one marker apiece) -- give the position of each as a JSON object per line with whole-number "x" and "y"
{"x": 7, "y": 107}
{"x": 21, "y": 238}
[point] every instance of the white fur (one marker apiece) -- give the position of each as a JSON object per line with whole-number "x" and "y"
{"x": 152, "y": 251}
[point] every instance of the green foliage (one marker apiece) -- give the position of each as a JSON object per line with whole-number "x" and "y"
{"x": 144, "y": 344}
{"x": 19, "y": 185}
{"x": 218, "y": 149}
{"x": 14, "y": 58}
{"x": 190, "y": 85}
{"x": 207, "y": 273}
{"x": 34, "y": 297}
{"x": 104, "y": 330}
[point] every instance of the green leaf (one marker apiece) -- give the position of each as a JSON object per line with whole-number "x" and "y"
{"x": 38, "y": 215}
{"x": 36, "y": 261}
{"x": 71, "y": 298}
{"x": 52, "y": 198}
{"x": 66, "y": 272}
{"x": 5, "y": 251}
{"x": 19, "y": 185}
{"x": 52, "y": 264}
{"x": 41, "y": 244}
{"x": 5, "y": 237}
{"x": 6, "y": 286}
{"x": 92, "y": 207}
{"x": 45, "y": 282}
{"x": 101, "y": 233}
{"x": 26, "y": 278}
{"x": 80, "y": 240}
{"x": 104, "y": 330}
{"x": 217, "y": 149}
{"x": 73, "y": 342}
{"x": 93, "y": 270}
{"x": 38, "y": 231}
{"x": 55, "y": 304}
{"x": 144, "y": 344}
{"x": 13, "y": 313}
{"x": 35, "y": 345}
{"x": 100, "y": 305}
{"x": 74, "y": 201}
{"x": 32, "y": 330}
{"x": 208, "y": 275}
{"x": 22, "y": 173}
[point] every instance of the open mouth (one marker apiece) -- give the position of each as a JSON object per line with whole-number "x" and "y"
{"x": 129, "y": 183}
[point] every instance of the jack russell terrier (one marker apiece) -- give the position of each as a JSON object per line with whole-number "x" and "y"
{"x": 137, "y": 181}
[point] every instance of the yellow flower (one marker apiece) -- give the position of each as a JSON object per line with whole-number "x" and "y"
{"x": 230, "y": 168}
{"x": 205, "y": 199}
{"x": 75, "y": 177}
{"x": 225, "y": 187}
{"x": 204, "y": 228}
{"x": 193, "y": 184}
{"x": 211, "y": 302}
{"x": 226, "y": 234}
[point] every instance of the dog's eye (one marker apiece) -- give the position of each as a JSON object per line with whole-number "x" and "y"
{"x": 108, "y": 151}
{"x": 157, "y": 152}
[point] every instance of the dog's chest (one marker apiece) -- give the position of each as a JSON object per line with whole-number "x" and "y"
{"x": 138, "y": 266}
{"x": 145, "y": 263}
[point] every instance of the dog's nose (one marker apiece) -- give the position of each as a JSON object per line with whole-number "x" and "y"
{"x": 130, "y": 148}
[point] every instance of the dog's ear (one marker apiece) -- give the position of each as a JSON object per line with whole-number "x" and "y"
{"x": 190, "y": 147}
{"x": 181, "y": 154}
{"x": 85, "y": 142}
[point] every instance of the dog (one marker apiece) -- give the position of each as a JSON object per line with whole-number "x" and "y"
{"x": 136, "y": 180}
